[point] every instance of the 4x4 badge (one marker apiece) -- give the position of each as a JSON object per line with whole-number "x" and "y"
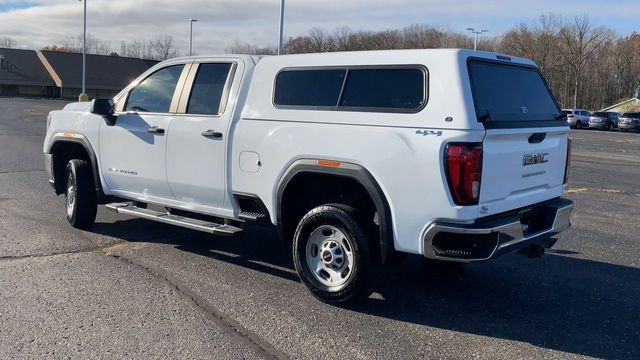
{"x": 429, "y": 132}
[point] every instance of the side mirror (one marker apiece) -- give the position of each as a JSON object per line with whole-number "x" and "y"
{"x": 106, "y": 109}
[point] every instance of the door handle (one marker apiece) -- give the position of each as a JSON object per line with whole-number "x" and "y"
{"x": 155, "y": 130}
{"x": 212, "y": 134}
{"x": 537, "y": 138}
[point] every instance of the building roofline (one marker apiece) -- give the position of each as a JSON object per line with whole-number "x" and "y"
{"x": 88, "y": 54}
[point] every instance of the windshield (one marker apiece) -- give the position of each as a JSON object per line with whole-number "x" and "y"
{"x": 568, "y": 112}
{"x": 510, "y": 93}
{"x": 631, "y": 115}
{"x": 600, "y": 114}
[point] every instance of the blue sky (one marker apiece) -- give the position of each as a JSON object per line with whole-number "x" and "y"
{"x": 10, "y": 5}
{"x": 36, "y": 23}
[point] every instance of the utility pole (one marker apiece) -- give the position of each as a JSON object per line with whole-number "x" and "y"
{"x": 281, "y": 33}
{"x": 84, "y": 96}
{"x": 191, "y": 21}
{"x": 475, "y": 39}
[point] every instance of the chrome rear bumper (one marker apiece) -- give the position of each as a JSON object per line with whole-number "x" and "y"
{"x": 501, "y": 234}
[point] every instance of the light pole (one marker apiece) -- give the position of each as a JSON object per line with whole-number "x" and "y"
{"x": 84, "y": 96}
{"x": 281, "y": 33}
{"x": 475, "y": 39}
{"x": 191, "y": 21}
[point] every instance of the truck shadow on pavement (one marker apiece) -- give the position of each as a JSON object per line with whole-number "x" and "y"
{"x": 557, "y": 302}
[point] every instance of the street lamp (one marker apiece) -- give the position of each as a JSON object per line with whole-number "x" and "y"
{"x": 281, "y": 33}
{"x": 84, "y": 96}
{"x": 476, "y": 33}
{"x": 191, "y": 21}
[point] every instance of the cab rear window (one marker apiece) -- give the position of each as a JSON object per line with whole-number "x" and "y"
{"x": 507, "y": 95}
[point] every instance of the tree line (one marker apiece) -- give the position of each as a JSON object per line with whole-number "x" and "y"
{"x": 586, "y": 66}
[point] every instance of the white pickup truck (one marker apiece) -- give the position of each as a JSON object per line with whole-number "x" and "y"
{"x": 355, "y": 157}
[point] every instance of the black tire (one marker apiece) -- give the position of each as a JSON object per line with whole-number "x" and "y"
{"x": 344, "y": 218}
{"x": 80, "y": 195}
{"x": 578, "y": 125}
{"x": 610, "y": 126}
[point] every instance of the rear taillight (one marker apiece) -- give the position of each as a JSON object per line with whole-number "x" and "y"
{"x": 463, "y": 164}
{"x": 568, "y": 162}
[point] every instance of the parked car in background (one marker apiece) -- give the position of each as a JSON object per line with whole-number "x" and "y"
{"x": 604, "y": 120}
{"x": 577, "y": 118}
{"x": 629, "y": 121}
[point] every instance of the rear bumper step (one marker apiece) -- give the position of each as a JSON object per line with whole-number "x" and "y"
{"x": 168, "y": 218}
{"x": 486, "y": 240}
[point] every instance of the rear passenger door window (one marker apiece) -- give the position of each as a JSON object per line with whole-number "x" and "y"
{"x": 208, "y": 89}
{"x": 155, "y": 93}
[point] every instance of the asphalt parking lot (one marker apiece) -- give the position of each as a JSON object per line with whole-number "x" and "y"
{"x": 131, "y": 288}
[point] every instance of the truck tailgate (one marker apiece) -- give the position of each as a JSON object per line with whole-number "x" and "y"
{"x": 519, "y": 169}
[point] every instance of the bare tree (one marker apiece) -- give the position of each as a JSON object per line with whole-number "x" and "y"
{"x": 163, "y": 48}
{"x": 7, "y": 42}
{"x": 321, "y": 41}
{"x": 299, "y": 45}
{"x": 343, "y": 39}
{"x": 419, "y": 36}
{"x": 138, "y": 49}
{"x": 627, "y": 64}
{"x": 582, "y": 40}
{"x": 94, "y": 45}
{"x": 243, "y": 48}
{"x": 58, "y": 49}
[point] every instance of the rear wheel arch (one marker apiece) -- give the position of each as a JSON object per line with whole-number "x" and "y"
{"x": 293, "y": 200}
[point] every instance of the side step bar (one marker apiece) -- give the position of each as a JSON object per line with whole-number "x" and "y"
{"x": 167, "y": 218}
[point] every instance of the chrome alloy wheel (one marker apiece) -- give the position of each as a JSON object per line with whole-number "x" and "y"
{"x": 71, "y": 194}
{"x": 330, "y": 256}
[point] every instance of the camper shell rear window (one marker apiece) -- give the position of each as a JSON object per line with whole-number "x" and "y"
{"x": 507, "y": 95}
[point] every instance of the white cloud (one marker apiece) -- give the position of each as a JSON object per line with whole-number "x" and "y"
{"x": 255, "y": 21}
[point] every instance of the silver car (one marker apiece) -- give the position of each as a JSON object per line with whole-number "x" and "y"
{"x": 604, "y": 120}
{"x": 577, "y": 118}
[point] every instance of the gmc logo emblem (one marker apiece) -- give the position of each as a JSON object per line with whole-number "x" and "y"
{"x": 533, "y": 159}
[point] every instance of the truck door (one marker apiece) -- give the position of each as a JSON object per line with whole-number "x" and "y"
{"x": 133, "y": 151}
{"x": 197, "y": 145}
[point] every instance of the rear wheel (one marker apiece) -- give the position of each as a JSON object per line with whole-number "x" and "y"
{"x": 80, "y": 195}
{"x": 578, "y": 125}
{"x": 331, "y": 254}
{"x": 610, "y": 126}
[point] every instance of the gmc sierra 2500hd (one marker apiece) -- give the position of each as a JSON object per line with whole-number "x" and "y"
{"x": 355, "y": 157}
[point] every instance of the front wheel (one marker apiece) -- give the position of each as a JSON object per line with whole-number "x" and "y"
{"x": 331, "y": 254}
{"x": 80, "y": 195}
